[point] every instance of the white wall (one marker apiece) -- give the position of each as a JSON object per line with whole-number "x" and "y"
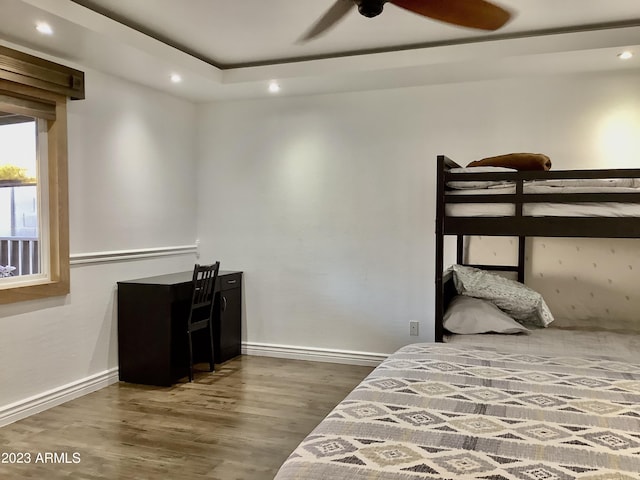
{"x": 131, "y": 167}
{"x": 327, "y": 202}
{"x": 132, "y": 176}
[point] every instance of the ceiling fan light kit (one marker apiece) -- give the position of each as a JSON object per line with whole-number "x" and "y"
{"x": 479, "y": 14}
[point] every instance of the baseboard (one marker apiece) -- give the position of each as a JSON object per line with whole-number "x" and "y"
{"x": 43, "y": 401}
{"x": 315, "y": 354}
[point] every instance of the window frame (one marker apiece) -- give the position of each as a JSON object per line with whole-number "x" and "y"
{"x": 56, "y": 203}
{"x": 28, "y": 80}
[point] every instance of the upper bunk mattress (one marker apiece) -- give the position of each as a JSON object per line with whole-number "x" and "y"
{"x": 586, "y": 209}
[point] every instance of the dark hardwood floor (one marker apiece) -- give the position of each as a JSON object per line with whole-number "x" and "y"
{"x": 240, "y": 422}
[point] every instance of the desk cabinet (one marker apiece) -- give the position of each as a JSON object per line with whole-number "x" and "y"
{"x": 152, "y": 319}
{"x": 227, "y": 330}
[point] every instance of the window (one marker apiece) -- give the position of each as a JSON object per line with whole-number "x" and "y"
{"x": 20, "y": 206}
{"x": 34, "y": 231}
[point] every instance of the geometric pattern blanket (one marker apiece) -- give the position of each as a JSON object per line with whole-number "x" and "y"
{"x": 436, "y": 411}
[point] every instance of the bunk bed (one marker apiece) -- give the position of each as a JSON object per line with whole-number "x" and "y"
{"x": 528, "y": 207}
{"x": 510, "y": 407}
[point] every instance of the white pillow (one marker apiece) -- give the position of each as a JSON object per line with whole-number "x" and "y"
{"x": 515, "y": 299}
{"x": 468, "y": 315}
{"x": 481, "y": 183}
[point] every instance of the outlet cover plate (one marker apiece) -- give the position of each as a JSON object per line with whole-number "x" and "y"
{"x": 413, "y": 329}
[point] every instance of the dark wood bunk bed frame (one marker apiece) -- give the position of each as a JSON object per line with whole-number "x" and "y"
{"x": 519, "y": 225}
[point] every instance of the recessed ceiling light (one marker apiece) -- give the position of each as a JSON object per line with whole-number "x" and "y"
{"x": 274, "y": 87}
{"x": 175, "y": 78}
{"x": 44, "y": 28}
{"x": 625, "y": 55}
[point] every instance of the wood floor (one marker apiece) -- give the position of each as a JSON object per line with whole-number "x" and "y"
{"x": 240, "y": 422}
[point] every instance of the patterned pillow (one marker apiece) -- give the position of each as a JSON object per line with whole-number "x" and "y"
{"x": 517, "y": 300}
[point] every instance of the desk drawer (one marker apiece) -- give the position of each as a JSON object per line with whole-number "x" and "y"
{"x": 229, "y": 281}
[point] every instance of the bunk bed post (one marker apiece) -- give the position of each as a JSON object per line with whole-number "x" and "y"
{"x": 521, "y": 258}
{"x": 460, "y": 250}
{"x": 439, "y": 260}
{"x": 521, "y": 238}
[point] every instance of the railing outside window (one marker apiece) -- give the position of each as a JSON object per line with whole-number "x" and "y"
{"x": 21, "y": 253}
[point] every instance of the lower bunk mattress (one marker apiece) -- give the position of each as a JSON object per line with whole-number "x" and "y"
{"x": 446, "y": 411}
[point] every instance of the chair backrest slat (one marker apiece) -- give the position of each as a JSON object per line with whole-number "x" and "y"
{"x": 204, "y": 282}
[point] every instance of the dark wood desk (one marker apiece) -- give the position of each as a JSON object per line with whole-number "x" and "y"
{"x": 152, "y": 319}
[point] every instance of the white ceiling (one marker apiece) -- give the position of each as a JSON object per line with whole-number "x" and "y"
{"x": 231, "y": 32}
{"x": 545, "y": 37}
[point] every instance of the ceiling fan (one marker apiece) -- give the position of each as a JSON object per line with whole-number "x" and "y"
{"x": 479, "y": 14}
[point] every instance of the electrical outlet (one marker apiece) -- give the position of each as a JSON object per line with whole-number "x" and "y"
{"x": 413, "y": 328}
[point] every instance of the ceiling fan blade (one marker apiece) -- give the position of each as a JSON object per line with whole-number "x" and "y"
{"x": 466, "y": 13}
{"x": 337, "y": 11}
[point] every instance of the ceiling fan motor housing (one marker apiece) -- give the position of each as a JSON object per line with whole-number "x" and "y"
{"x": 371, "y": 8}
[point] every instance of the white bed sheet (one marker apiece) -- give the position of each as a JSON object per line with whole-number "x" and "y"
{"x": 606, "y": 209}
{"x": 560, "y": 342}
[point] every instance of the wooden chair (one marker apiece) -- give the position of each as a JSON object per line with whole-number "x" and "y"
{"x": 201, "y": 312}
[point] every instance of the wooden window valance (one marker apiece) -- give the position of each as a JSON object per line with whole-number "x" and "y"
{"x": 49, "y": 76}
{"x": 27, "y": 106}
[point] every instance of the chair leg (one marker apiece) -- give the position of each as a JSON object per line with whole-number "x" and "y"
{"x": 190, "y": 357}
{"x": 212, "y": 367}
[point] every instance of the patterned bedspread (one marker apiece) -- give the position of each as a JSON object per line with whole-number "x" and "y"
{"x": 433, "y": 411}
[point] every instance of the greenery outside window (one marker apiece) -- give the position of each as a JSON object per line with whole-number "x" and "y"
{"x": 34, "y": 225}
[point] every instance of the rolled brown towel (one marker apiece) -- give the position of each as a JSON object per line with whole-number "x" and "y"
{"x": 519, "y": 161}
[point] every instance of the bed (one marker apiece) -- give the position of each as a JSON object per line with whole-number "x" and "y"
{"x": 532, "y": 408}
